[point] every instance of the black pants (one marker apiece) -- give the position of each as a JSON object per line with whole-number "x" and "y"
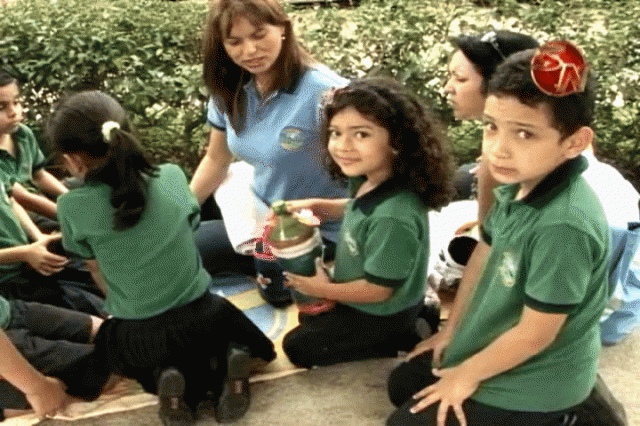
{"x": 413, "y": 376}
{"x": 71, "y": 288}
{"x": 56, "y": 342}
{"x": 346, "y": 334}
{"x": 194, "y": 338}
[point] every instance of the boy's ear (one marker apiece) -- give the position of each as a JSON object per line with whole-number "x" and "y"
{"x": 580, "y": 140}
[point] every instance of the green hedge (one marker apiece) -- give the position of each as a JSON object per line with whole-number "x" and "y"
{"x": 146, "y": 53}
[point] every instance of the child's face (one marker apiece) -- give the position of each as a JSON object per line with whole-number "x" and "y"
{"x": 360, "y": 146}
{"x": 10, "y": 108}
{"x": 464, "y": 88}
{"x": 519, "y": 143}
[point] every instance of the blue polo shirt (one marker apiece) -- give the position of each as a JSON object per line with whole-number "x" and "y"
{"x": 282, "y": 139}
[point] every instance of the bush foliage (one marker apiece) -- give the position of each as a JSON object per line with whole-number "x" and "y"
{"x": 146, "y": 53}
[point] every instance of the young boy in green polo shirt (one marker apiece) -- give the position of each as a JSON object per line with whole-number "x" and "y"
{"x": 522, "y": 340}
{"x": 31, "y": 270}
{"x": 21, "y": 160}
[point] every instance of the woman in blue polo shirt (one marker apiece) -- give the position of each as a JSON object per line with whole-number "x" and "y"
{"x": 264, "y": 109}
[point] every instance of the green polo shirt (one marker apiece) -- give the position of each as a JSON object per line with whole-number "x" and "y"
{"x": 384, "y": 238}
{"x": 5, "y": 313}
{"x": 11, "y": 232}
{"x": 151, "y": 267}
{"x": 549, "y": 251}
{"x": 29, "y": 159}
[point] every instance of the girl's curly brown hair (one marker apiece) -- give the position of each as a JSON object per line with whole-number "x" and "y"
{"x": 423, "y": 160}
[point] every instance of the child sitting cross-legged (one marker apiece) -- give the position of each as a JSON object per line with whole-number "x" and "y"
{"x": 521, "y": 343}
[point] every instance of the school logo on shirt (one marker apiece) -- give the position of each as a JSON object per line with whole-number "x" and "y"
{"x": 291, "y": 138}
{"x": 352, "y": 244}
{"x": 507, "y": 269}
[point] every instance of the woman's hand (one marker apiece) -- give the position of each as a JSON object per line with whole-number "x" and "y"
{"x": 311, "y": 286}
{"x": 453, "y": 388}
{"x": 323, "y": 208}
{"x": 41, "y": 259}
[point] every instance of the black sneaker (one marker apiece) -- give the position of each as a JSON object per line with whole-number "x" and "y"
{"x": 235, "y": 398}
{"x": 173, "y": 410}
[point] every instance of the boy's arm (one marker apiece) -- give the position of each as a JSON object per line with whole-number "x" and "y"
{"x": 470, "y": 278}
{"x": 45, "y": 394}
{"x": 96, "y": 274}
{"x": 32, "y": 230}
{"x": 486, "y": 183}
{"x": 49, "y": 183}
{"x": 534, "y": 332}
{"x": 35, "y": 254}
{"x": 34, "y": 202}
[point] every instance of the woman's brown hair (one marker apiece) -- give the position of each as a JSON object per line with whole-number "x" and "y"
{"x": 223, "y": 77}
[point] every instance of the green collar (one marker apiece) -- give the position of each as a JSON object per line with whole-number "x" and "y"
{"x": 552, "y": 185}
{"x": 368, "y": 201}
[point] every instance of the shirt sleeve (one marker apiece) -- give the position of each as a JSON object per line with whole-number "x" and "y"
{"x": 390, "y": 250}
{"x": 38, "y": 160}
{"x": 215, "y": 116}
{"x": 560, "y": 269}
{"x": 180, "y": 188}
{"x": 72, "y": 238}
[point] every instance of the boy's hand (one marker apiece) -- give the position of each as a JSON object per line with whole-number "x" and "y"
{"x": 48, "y": 398}
{"x": 311, "y": 286}
{"x": 453, "y": 388}
{"x": 41, "y": 259}
{"x": 436, "y": 342}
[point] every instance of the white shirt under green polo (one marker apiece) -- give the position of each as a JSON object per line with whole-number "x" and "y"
{"x": 549, "y": 252}
{"x": 281, "y": 139}
{"x": 151, "y": 267}
{"x": 384, "y": 238}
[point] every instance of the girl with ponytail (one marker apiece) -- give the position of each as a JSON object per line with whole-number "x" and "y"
{"x": 133, "y": 222}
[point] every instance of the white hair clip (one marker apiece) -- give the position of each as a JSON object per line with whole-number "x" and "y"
{"x": 107, "y": 130}
{"x": 491, "y": 38}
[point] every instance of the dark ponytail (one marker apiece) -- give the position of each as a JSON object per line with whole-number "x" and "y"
{"x": 95, "y": 125}
{"x": 125, "y": 170}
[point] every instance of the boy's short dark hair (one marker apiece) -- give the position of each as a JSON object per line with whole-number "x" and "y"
{"x": 569, "y": 113}
{"x": 6, "y": 78}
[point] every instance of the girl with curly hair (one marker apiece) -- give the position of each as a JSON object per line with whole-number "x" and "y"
{"x": 391, "y": 152}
